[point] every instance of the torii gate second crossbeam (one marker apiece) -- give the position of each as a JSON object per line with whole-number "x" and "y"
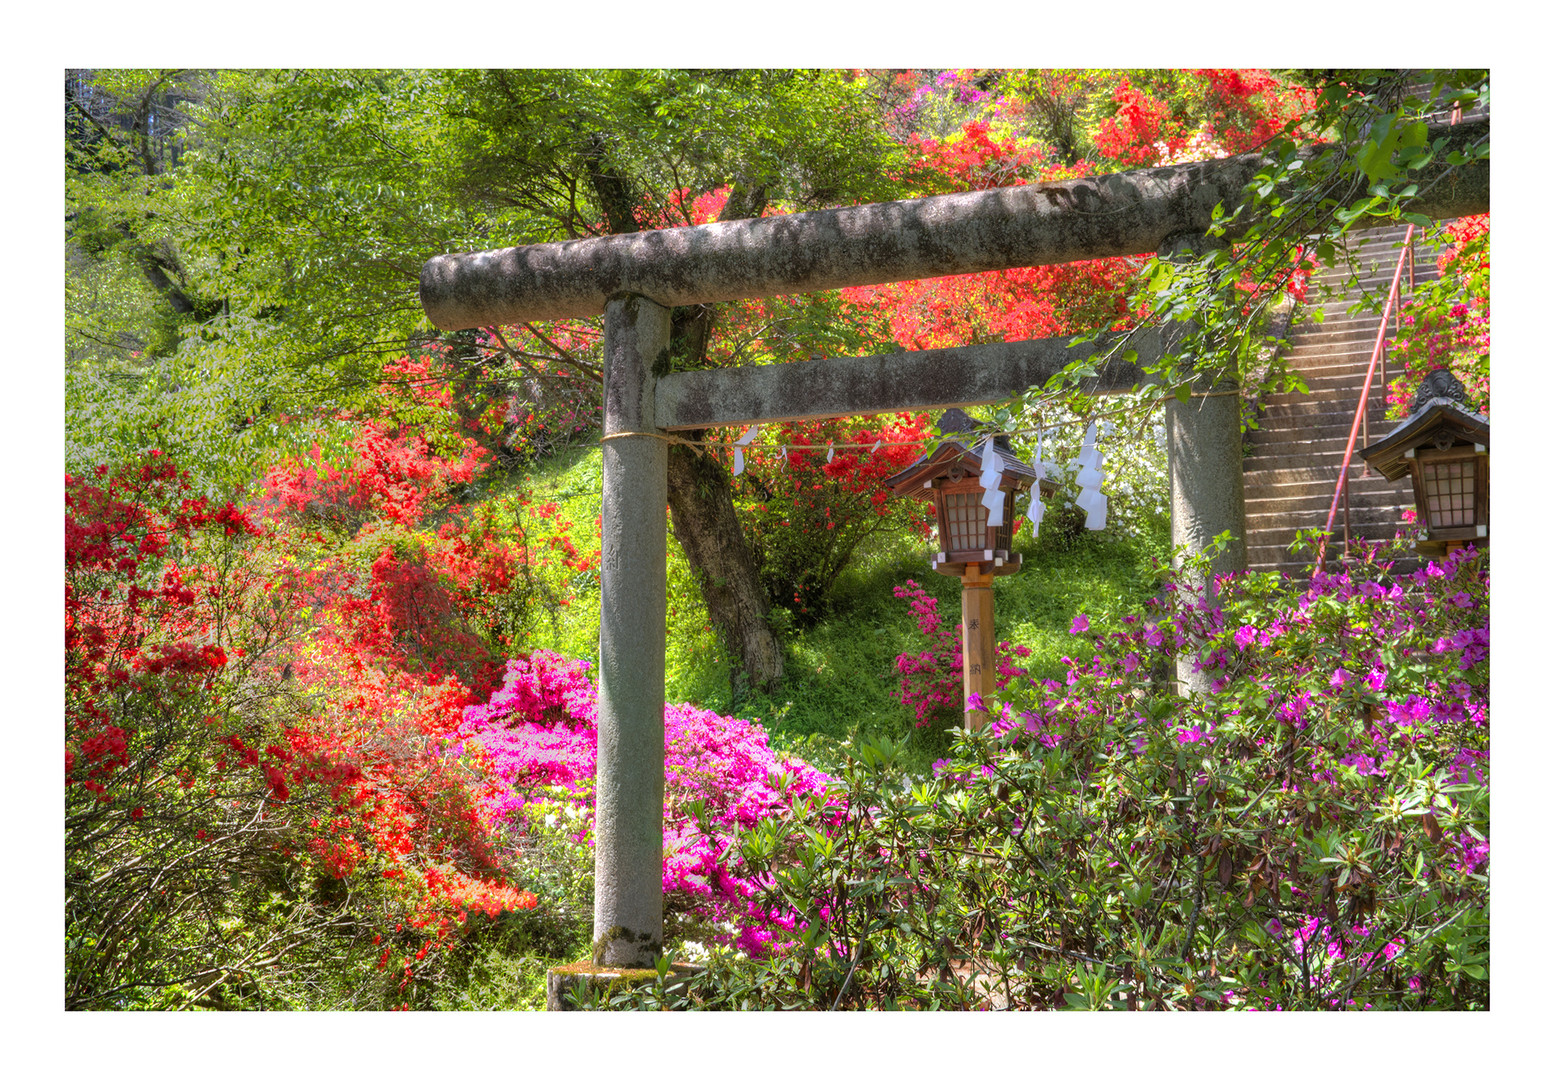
{"x": 634, "y": 279}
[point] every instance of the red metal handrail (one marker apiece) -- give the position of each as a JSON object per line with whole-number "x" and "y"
{"x": 1342, "y": 487}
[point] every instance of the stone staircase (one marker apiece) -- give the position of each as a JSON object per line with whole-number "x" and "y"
{"x": 1293, "y": 458}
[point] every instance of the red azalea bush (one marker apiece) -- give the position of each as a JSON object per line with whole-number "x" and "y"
{"x": 1447, "y": 323}
{"x": 398, "y": 567}
{"x": 1235, "y": 110}
{"x": 805, "y": 512}
{"x": 1004, "y": 305}
{"x": 224, "y": 756}
{"x": 532, "y": 399}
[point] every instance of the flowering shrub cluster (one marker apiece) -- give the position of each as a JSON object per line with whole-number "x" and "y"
{"x": 538, "y": 733}
{"x": 258, "y": 701}
{"x": 377, "y": 578}
{"x": 805, "y": 512}
{"x": 1127, "y": 118}
{"x": 1447, "y": 323}
{"x": 1347, "y": 727}
{"x": 931, "y": 678}
{"x": 1241, "y": 109}
{"x": 1006, "y": 305}
{"x": 1130, "y": 136}
{"x": 1311, "y": 833}
{"x": 225, "y": 761}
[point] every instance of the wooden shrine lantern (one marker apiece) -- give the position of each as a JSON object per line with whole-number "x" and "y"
{"x": 1445, "y": 448}
{"x": 952, "y": 477}
{"x": 969, "y": 547}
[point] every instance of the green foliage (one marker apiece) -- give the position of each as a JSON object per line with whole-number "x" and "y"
{"x": 111, "y": 313}
{"x": 1299, "y": 837}
{"x": 215, "y": 403}
{"x": 557, "y": 147}
{"x": 278, "y": 249}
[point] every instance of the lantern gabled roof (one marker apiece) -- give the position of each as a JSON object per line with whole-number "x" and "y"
{"x": 1439, "y": 416}
{"x": 953, "y": 453}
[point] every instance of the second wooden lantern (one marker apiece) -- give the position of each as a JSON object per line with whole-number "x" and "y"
{"x": 1444, "y": 447}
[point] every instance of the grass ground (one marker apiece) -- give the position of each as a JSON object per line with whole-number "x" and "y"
{"x": 840, "y": 672}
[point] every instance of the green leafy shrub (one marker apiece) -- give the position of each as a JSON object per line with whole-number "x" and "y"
{"x": 1310, "y": 834}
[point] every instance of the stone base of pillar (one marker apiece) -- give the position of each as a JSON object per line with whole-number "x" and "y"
{"x": 562, "y": 983}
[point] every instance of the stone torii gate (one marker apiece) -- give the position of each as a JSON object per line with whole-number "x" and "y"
{"x": 635, "y": 279}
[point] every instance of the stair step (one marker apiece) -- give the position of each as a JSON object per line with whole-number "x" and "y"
{"x": 1358, "y": 337}
{"x": 1272, "y": 498}
{"x": 1280, "y": 553}
{"x": 1286, "y": 435}
{"x": 1301, "y": 442}
{"x": 1329, "y": 415}
{"x": 1318, "y": 401}
{"x": 1336, "y": 380}
{"x": 1325, "y": 472}
{"x": 1295, "y": 454}
{"x": 1310, "y": 511}
{"x": 1319, "y": 482}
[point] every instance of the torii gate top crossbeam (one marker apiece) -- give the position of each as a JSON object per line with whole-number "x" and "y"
{"x": 1128, "y": 213}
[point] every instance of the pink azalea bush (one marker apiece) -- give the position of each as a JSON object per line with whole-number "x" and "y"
{"x": 931, "y": 677}
{"x": 538, "y": 733}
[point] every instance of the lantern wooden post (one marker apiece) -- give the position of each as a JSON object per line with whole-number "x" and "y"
{"x": 979, "y": 665}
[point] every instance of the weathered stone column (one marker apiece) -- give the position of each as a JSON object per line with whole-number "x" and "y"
{"x": 629, "y": 793}
{"x": 1204, "y": 467}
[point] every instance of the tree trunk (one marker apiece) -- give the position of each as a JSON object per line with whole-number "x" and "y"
{"x": 700, "y": 496}
{"x": 702, "y": 516}
{"x": 703, "y": 519}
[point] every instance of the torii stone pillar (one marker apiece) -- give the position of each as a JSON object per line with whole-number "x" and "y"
{"x": 1204, "y": 469}
{"x": 629, "y": 788}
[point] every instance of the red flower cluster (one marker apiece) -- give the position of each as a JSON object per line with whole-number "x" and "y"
{"x": 184, "y": 622}
{"x": 806, "y": 511}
